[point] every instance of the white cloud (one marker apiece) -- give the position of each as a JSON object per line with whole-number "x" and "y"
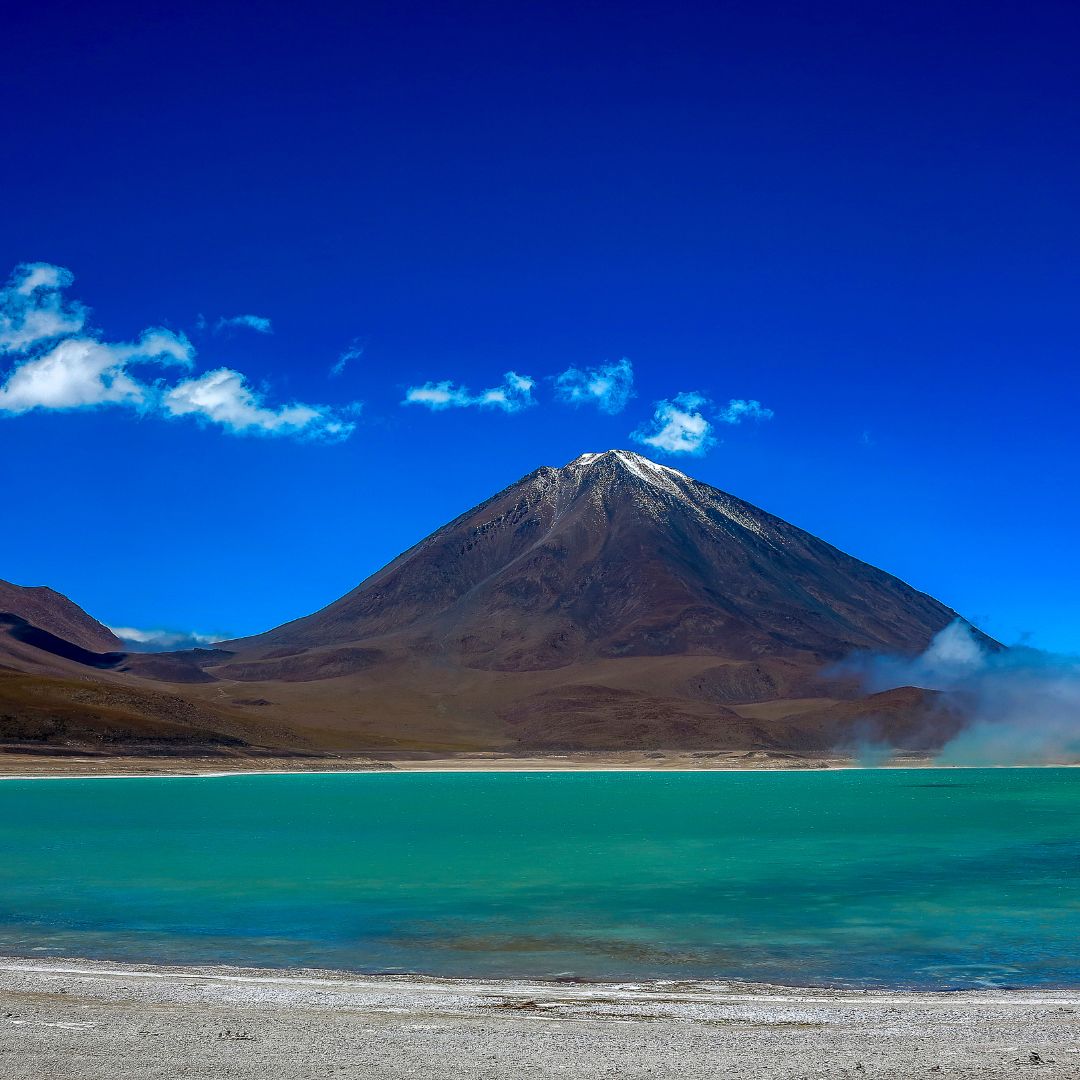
{"x": 33, "y": 311}
{"x": 740, "y": 409}
{"x": 253, "y": 322}
{"x": 514, "y": 394}
{"x": 678, "y": 427}
{"x": 609, "y": 386}
{"x": 163, "y": 640}
{"x": 78, "y": 372}
{"x": 224, "y": 397}
{"x": 58, "y": 365}
{"x": 30, "y": 277}
{"x": 353, "y": 352}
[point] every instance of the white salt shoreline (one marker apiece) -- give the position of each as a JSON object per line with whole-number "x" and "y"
{"x": 85, "y": 1020}
{"x": 671, "y": 990}
{"x": 198, "y": 774}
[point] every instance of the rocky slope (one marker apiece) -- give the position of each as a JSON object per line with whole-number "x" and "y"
{"x": 48, "y": 610}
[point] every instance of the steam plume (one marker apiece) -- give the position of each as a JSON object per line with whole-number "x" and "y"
{"x": 1023, "y": 704}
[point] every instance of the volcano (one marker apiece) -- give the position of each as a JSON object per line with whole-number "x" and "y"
{"x": 612, "y": 602}
{"x": 617, "y": 556}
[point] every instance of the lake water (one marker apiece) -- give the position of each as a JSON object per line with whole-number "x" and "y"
{"x": 900, "y": 878}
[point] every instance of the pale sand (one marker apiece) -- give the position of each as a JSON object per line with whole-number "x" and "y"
{"x": 81, "y": 1020}
{"x": 18, "y": 765}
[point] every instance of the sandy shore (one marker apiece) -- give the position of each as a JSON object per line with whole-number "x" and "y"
{"x": 34, "y": 765}
{"x": 79, "y": 1020}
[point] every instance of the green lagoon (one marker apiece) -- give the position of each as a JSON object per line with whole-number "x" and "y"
{"x": 907, "y": 878}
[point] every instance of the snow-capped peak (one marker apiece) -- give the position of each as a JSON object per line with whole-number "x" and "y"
{"x": 651, "y": 472}
{"x": 626, "y": 457}
{"x": 664, "y": 479}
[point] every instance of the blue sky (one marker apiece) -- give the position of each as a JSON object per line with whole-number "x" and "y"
{"x": 309, "y": 243}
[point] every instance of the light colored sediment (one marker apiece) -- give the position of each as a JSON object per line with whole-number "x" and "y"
{"x": 32, "y": 765}
{"x": 94, "y": 1021}
{"x": 19, "y": 765}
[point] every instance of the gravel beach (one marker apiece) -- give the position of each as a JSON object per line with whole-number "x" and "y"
{"x": 83, "y": 1020}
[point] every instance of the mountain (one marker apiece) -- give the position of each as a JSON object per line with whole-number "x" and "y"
{"x": 611, "y": 602}
{"x": 617, "y": 556}
{"x": 57, "y": 615}
{"x": 64, "y": 684}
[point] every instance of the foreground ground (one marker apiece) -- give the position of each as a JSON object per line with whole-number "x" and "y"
{"x": 83, "y": 1021}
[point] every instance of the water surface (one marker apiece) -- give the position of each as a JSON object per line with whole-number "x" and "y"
{"x": 902, "y": 878}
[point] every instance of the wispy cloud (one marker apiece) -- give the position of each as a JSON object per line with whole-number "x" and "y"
{"x": 608, "y": 386}
{"x": 678, "y": 426}
{"x": 163, "y": 640}
{"x": 740, "y": 409}
{"x": 59, "y": 365}
{"x": 32, "y": 308}
{"x": 353, "y": 352}
{"x": 257, "y": 323}
{"x": 224, "y": 397}
{"x": 514, "y": 394}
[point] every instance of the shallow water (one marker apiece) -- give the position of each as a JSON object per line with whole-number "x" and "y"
{"x": 899, "y": 878}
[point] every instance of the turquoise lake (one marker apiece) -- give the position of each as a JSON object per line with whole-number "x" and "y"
{"x": 868, "y": 878}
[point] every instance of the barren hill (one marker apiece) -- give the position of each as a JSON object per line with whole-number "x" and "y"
{"x": 48, "y": 610}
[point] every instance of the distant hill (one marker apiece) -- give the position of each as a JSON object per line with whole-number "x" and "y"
{"x": 66, "y": 684}
{"x": 50, "y": 611}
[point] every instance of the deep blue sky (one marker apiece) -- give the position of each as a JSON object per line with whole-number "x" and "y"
{"x": 863, "y": 216}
